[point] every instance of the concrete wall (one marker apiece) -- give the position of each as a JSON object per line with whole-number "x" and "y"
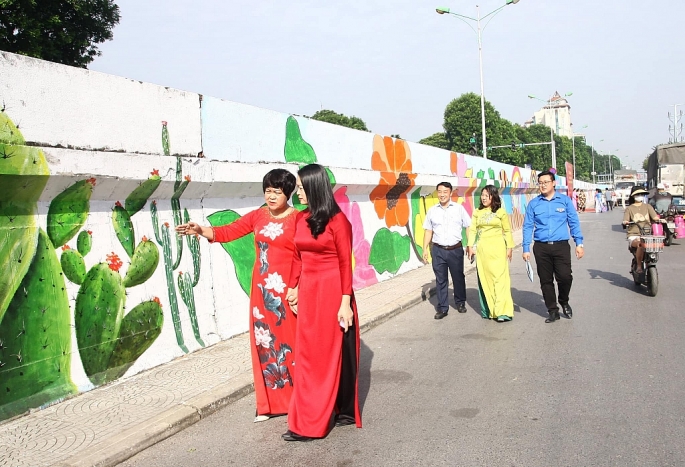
{"x": 95, "y": 171}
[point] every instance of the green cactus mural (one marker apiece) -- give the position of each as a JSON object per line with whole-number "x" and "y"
{"x": 171, "y": 262}
{"x": 123, "y": 228}
{"x": 143, "y": 263}
{"x": 84, "y": 242}
{"x": 73, "y": 265}
{"x": 138, "y": 197}
{"x": 68, "y": 211}
{"x": 35, "y": 317}
{"x": 139, "y": 329}
{"x": 35, "y": 337}
{"x": 98, "y": 314}
{"x": 23, "y": 175}
{"x": 100, "y": 303}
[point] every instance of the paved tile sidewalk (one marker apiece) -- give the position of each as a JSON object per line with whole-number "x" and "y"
{"x": 109, "y": 424}
{"x": 105, "y": 426}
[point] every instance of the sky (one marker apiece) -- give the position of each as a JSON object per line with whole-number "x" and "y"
{"x": 397, "y": 64}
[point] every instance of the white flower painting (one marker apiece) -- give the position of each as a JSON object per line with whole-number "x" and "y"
{"x": 275, "y": 282}
{"x": 272, "y": 230}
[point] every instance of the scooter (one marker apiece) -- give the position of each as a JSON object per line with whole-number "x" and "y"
{"x": 653, "y": 245}
{"x": 669, "y": 225}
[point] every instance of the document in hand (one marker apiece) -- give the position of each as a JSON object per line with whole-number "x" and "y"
{"x": 529, "y": 271}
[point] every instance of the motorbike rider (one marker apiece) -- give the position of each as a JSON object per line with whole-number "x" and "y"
{"x": 661, "y": 200}
{"x": 641, "y": 214}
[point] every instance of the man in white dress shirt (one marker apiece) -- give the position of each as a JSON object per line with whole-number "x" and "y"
{"x": 443, "y": 228}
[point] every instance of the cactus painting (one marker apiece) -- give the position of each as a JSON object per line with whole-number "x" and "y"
{"x": 35, "y": 337}
{"x": 35, "y": 314}
{"x": 186, "y": 283}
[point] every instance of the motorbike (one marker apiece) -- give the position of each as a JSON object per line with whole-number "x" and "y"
{"x": 653, "y": 245}
{"x": 669, "y": 225}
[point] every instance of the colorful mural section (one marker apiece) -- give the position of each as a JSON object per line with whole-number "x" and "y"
{"x": 94, "y": 283}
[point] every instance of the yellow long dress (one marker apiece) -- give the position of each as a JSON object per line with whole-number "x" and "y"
{"x": 491, "y": 233}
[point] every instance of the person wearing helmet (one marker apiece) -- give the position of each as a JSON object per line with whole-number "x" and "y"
{"x": 642, "y": 215}
{"x": 661, "y": 200}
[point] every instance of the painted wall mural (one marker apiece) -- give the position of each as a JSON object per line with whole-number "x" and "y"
{"x": 94, "y": 283}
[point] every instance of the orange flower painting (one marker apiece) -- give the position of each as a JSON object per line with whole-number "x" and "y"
{"x": 392, "y": 158}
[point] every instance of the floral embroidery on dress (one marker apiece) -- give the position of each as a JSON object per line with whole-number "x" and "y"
{"x": 256, "y": 313}
{"x": 273, "y": 304}
{"x": 275, "y": 281}
{"x": 276, "y": 375}
{"x": 263, "y": 259}
{"x": 263, "y": 337}
{"x": 272, "y": 230}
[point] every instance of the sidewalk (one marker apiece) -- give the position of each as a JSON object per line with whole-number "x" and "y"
{"x": 105, "y": 426}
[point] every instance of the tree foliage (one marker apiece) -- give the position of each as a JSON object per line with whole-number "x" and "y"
{"x": 462, "y": 120}
{"x": 61, "y": 31}
{"x": 645, "y": 163}
{"x": 335, "y": 118}
{"x": 439, "y": 140}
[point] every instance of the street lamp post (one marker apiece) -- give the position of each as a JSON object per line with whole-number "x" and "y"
{"x": 592, "y": 151}
{"x": 611, "y": 168}
{"x": 478, "y": 31}
{"x": 551, "y": 128}
{"x": 573, "y": 141}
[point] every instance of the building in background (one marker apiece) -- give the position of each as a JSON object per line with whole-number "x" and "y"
{"x": 556, "y": 115}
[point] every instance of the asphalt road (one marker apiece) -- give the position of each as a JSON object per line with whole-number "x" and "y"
{"x": 603, "y": 389}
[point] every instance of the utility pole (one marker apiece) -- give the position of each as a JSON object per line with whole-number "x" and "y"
{"x": 675, "y": 131}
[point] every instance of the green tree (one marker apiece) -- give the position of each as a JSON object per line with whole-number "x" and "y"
{"x": 463, "y": 120}
{"x": 438, "y": 140}
{"x": 61, "y": 31}
{"x": 335, "y": 118}
{"x": 645, "y": 163}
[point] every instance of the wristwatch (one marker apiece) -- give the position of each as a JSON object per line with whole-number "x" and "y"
{"x": 580, "y": 246}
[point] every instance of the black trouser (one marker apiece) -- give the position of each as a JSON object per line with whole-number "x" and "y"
{"x": 554, "y": 262}
{"x": 347, "y": 390}
{"x": 452, "y": 261}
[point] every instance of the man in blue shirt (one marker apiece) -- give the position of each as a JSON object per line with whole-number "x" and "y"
{"x": 549, "y": 217}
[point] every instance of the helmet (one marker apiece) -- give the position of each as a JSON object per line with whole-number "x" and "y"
{"x": 661, "y": 186}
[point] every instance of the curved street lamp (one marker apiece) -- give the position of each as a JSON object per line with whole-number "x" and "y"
{"x": 478, "y": 31}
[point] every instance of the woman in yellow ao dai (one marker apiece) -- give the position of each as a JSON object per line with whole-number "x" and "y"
{"x": 491, "y": 241}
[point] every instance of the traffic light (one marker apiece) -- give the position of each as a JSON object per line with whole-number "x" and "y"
{"x": 474, "y": 145}
{"x": 513, "y": 146}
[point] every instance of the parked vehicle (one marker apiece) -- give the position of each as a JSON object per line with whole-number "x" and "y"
{"x": 667, "y": 165}
{"x": 624, "y": 181}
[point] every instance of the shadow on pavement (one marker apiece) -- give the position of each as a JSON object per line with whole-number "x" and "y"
{"x": 365, "y": 358}
{"x": 618, "y": 280}
{"x": 530, "y": 301}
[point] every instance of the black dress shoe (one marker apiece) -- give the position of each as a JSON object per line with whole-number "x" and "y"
{"x": 344, "y": 420}
{"x": 461, "y": 308}
{"x": 568, "y": 312}
{"x": 553, "y": 317}
{"x": 290, "y": 436}
{"x": 440, "y": 315}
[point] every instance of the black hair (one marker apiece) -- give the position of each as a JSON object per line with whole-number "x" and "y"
{"x": 280, "y": 179}
{"x": 495, "y": 200}
{"x": 445, "y": 184}
{"x": 546, "y": 172}
{"x": 322, "y": 204}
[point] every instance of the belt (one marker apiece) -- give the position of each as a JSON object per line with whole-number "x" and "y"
{"x": 554, "y": 242}
{"x": 453, "y": 247}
